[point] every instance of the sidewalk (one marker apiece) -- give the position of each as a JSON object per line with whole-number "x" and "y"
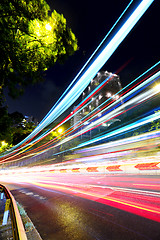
{"x": 31, "y": 232}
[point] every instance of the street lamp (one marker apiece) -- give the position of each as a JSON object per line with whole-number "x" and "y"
{"x": 60, "y": 130}
{"x": 3, "y": 143}
{"x": 157, "y": 87}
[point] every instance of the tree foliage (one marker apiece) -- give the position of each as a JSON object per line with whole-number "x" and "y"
{"x": 31, "y": 41}
{"x": 5, "y": 126}
{"x": 155, "y": 125}
{"x": 19, "y": 132}
{"x": 13, "y": 128}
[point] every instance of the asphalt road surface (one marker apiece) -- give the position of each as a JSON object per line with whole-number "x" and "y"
{"x": 84, "y": 207}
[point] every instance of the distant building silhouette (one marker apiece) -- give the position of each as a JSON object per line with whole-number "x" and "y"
{"x": 29, "y": 119}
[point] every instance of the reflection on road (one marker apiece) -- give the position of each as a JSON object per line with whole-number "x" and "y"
{"x": 139, "y": 195}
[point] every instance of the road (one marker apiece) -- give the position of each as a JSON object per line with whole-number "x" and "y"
{"x": 84, "y": 207}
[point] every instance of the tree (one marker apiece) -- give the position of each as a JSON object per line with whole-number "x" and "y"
{"x": 5, "y": 126}
{"x": 13, "y": 128}
{"x": 16, "y": 118}
{"x": 31, "y": 41}
{"x": 155, "y": 125}
{"x": 20, "y": 132}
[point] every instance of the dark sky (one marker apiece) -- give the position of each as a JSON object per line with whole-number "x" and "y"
{"x": 90, "y": 21}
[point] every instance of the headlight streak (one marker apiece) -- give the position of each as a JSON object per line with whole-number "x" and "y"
{"x": 95, "y": 109}
{"x": 116, "y": 132}
{"x": 79, "y": 124}
{"x": 112, "y": 114}
{"x": 116, "y": 112}
{"x": 79, "y": 108}
{"x": 109, "y": 147}
{"x": 142, "y": 97}
{"x": 139, "y": 195}
{"x": 120, "y": 143}
{"x": 120, "y": 99}
{"x": 89, "y": 60}
{"x": 123, "y": 129}
{"x": 115, "y": 148}
{"x": 90, "y": 72}
{"x": 113, "y": 192}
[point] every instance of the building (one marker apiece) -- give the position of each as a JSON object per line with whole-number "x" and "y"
{"x": 29, "y": 119}
{"x": 105, "y": 86}
{"x": 76, "y": 118}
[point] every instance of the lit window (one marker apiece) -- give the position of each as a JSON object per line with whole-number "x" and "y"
{"x": 116, "y": 97}
{"x": 100, "y": 96}
{"x": 108, "y": 94}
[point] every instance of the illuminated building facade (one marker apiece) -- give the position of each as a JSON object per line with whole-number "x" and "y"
{"x": 103, "y": 89}
{"x": 107, "y": 86}
{"x": 76, "y": 119}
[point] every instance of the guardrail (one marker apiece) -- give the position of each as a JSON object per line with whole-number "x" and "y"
{"x": 11, "y": 226}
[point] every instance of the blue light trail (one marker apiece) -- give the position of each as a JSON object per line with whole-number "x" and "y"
{"x": 87, "y": 75}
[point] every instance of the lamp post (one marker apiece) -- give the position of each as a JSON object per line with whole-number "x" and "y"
{"x": 60, "y": 131}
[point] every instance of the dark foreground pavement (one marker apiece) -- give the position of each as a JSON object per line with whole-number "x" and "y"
{"x": 60, "y": 215}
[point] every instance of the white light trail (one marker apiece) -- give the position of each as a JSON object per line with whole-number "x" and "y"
{"x": 112, "y": 114}
{"x": 86, "y": 77}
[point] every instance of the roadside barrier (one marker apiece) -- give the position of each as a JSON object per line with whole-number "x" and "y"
{"x": 144, "y": 166}
{"x": 11, "y": 225}
{"x": 149, "y": 167}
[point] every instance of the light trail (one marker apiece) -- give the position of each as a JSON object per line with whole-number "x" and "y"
{"x": 95, "y": 112}
{"x": 88, "y": 173}
{"x": 143, "y": 139}
{"x": 83, "y": 68}
{"x": 123, "y": 97}
{"x": 118, "y": 192}
{"x": 90, "y": 72}
{"x": 107, "y": 117}
{"x": 112, "y": 114}
{"x": 119, "y": 110}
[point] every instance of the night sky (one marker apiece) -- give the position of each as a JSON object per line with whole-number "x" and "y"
{"x": 90, "y": 21}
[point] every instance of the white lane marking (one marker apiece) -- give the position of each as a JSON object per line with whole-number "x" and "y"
{"x": 34, "y": 195}
{"x": 29, "y": 193}
{"x": 22, "y": 191}
{"x": 42, "y": 198}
